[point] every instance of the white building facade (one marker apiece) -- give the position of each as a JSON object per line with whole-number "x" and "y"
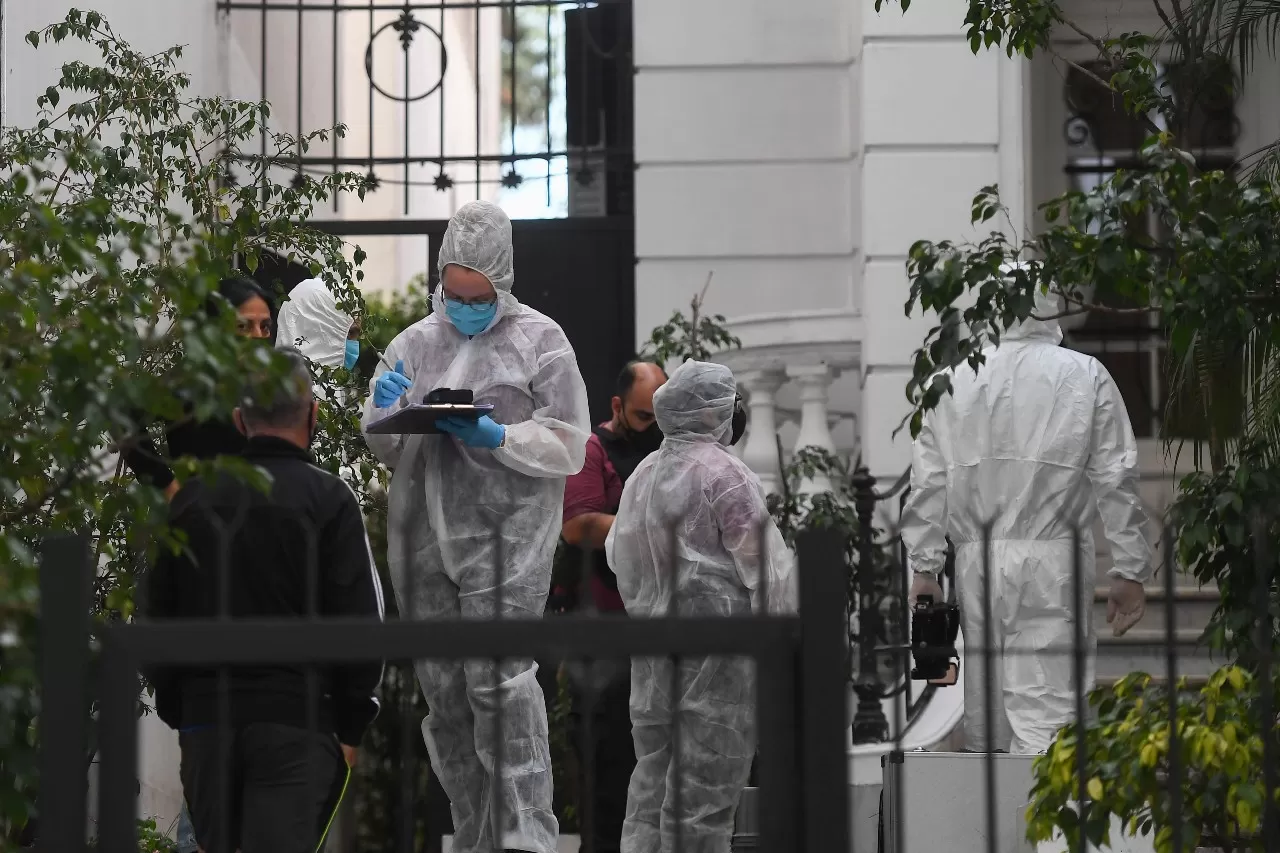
{"x": 798, "y": 150}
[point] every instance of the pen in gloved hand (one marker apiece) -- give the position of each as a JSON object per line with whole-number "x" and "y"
{"x": 382, "y": 358}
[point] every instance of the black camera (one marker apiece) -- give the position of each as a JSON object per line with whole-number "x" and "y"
{"x": 934, "y": 628}
{"x": 457, "y": 397}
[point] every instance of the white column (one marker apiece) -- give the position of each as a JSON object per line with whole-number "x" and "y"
{"x": 813, "y": 381}
{"x": 760, "y": 450}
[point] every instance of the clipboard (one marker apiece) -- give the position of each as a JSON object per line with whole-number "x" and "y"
{"x": 420, "y": 418}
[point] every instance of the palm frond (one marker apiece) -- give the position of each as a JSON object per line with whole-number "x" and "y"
{"x": 1262, "y": 393}
{"x": 1243, "y": 26}
{"x": 1204, "y": 402}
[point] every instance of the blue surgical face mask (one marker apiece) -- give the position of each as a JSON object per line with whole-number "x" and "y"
{"x": 470, "y": 319}
{"x": 353, "y": 354}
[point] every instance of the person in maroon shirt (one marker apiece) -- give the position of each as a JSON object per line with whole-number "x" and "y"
{"x": 591, "y": 499}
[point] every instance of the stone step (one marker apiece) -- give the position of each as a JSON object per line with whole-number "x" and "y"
{"x": 1142, "y": 649}
{"x": 1192, "y": 607}
{"x": 1194, "y": 682}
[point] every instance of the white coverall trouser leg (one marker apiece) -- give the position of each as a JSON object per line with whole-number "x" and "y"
{"x": 717, "y": 740}
{"x": 463, "y": 701}
{"x": 1033, "y": 633}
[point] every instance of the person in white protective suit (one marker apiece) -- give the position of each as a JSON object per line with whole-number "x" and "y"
{"x": 312, "y": 323}
{"x": 1038, "y": 444}
{"x": 729, "y": 559}
{"x": 486, "y": 492}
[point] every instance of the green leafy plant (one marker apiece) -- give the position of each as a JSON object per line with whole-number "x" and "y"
{"x": 1137, "y": 760}
{"x": 1219, "y": 519}
{"x": 564, "y": 754}
{"x": 795, "y": 510}
{"x": 120, "y": 210}
{"x": 151, "y": 839}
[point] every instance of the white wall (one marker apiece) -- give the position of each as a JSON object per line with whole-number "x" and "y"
{"x": 745, "y": 142}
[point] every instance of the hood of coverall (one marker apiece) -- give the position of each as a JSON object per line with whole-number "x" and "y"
{"x": 311, "y": 322}
{"x": 1031, "y": 329}
{"x": 479, "y": 238}
{"x": 696, "y": 403}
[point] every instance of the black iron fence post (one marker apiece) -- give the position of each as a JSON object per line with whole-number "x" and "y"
{"x": 823, "y": 638}
{"x": 869, "y": 722}
{"x": 65, "y": 584}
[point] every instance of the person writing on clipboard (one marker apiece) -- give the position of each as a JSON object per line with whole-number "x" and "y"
{"x": 453, "y": 495}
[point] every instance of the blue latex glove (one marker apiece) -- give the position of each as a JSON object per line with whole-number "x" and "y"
{"x": 390, "y": 386}
{"x": 483, "y": 432}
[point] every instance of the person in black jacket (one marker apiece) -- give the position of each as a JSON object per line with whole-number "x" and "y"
{"x": 300, "y": 550}
{"x": 255, "y": 318}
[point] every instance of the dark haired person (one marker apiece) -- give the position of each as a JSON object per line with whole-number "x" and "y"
{"x": 591, "y": 499}
{"x": 212, "y": 438}
{"x": 299, "y": 550}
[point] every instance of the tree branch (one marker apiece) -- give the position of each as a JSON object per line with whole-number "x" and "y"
{"x": 1094, "y": 309}
{"x": 1164, "y": 16}
{"x": 1150, "y": 125}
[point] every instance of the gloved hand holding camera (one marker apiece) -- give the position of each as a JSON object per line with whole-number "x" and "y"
{"x": 935, "y": 624}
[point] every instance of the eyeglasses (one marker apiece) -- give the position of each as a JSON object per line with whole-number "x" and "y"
{"x": 478, "y": 302}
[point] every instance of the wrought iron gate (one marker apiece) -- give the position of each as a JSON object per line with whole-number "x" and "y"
{"x": 544, "y": 82}
{"x": 448, "y": 101}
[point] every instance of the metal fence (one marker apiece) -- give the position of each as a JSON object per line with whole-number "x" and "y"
{"x": 801, "y": 697}
{"x": 802, "y": 802}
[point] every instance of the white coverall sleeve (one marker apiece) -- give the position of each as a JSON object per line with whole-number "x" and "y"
{"x": 386, "y": 447}
{"x": 765, "y": 564}
{"x": 1113, "y": 471}
{"x": 924, "y": 517}
{"x": 553, "y": 443}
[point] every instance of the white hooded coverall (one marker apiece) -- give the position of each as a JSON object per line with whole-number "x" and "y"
{"x": 693, "y": 526}
{"x": 1038, "y": 443}
{"x": 456, "y": 511}
{"x": 311, "y": 322}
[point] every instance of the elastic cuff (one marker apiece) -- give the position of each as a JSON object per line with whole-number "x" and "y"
{"x": 1141, "y": 578}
